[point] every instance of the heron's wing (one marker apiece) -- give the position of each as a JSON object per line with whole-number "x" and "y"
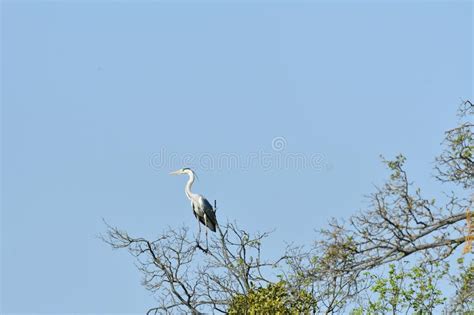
{"x": 209, "y": 212}
{"x": 200, "y": 218}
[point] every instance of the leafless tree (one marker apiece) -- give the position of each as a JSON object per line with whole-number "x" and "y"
{"x": 187, "y": 278}
{"x": 456, "y": 163}
{"x": 400, "y": 221}
{"x": 322, "y": 272}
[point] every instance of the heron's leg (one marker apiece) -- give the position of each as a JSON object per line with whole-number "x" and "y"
{"x": 199, "y": 231}
{"x": 207, "y": 241}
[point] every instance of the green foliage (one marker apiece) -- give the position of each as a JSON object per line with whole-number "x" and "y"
{"x": 358, "y": 311}
{"x": 276, "y": 298}
{"x": 402, "y": 291}
{"x": 396, "y": 166}
{"x": 463, "y": 301}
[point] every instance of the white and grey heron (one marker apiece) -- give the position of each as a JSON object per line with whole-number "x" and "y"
{"x": 202, "y": 209}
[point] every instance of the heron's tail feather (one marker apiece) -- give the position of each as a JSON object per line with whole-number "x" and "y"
{"x": 211, "y": 226}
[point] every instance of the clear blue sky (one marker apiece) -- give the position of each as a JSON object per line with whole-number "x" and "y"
{"x": 92, "y": 92}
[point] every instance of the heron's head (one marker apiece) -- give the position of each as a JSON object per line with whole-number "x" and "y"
{"x": 183, "y": 171}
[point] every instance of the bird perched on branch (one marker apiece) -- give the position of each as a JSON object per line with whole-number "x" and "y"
{"x": 202, "y": 209}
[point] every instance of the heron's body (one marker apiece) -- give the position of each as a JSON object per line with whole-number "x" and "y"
{"x": 202, "y": 209}
{"x": 204, "y": 212}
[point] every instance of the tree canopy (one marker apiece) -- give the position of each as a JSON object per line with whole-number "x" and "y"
{"x": 345, "y": 266}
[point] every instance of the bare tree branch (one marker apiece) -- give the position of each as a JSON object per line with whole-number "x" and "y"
{"x": 187, "y": 278}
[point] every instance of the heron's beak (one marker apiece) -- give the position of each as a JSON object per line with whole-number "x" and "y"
{"x": 175, "y": 173}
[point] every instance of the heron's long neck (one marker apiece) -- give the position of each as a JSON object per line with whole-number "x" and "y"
{"x": 187, "y": 188}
